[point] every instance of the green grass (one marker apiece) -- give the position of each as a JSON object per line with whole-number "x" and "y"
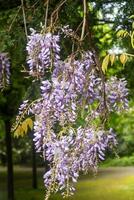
{"x": 109, "y": 184}
{"x": 123, "y": 161}
{"x": 106, "y": 189}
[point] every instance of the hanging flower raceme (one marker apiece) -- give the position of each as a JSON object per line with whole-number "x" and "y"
{"x": 43, "y": 52}
{"x": 117, "y": 93}
{"x": 4, "y": 70}
{"x": 74, "y": 153}
{"x": 67, "y": 98}
{"x": 68, "y": 127}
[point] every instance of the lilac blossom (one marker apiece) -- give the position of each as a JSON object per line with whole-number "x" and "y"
{"x": 67, "y": 31}
{"x": 65, "y": 131}
{"x": 23, "y": 107}
{"x": 116, "y": 94}
{"x": 74, "y": 153}
{"x": 69, "y": 151}
{"x": 88, "y": 59}
{"x": 43, "y": 51}
{"x": 4, "y": 70}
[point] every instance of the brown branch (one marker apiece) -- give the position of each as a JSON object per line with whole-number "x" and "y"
{"x": 97, "y": 62}
{"x": 24, "y": 19}
{"x": 10, "y": 27}
{"x": 56, "y": 10}
{"x": 46, "y": 14}
{"x": 84, "y": 19}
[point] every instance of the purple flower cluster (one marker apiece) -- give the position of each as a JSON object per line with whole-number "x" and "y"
{"x": 43, "y": 52}
{"x": 74, "y": 91}
{"x": 4, "y": 70}
{"x": 116, "y": 94}
{"x": 67, "y": 31}
{"x": 65, "y": 130}
{"x": 24, "y": 110}
{"x": 73, "y": 153}
{"x": 88, "y": 59}
{"x": 68, "y": 88}
{"x": 23, "y": 107}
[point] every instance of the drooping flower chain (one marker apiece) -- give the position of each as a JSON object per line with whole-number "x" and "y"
{"x": 43, "y": 52}
{"x": 65, "y": 128}
{"x": 4, "y": 70}
{"x": 63, "y": 97}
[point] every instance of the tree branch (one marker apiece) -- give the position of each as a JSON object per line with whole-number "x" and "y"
{"x": 84, "y": 19}
{"x": 24, "y": 18}
{"x": 56, "y": 10}
{"x": 46, "y": 14}
{"x": 97, "y": 62}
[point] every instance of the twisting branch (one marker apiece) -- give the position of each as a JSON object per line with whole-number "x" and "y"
{"x": 24, "y": 18}
{"x": 14, "y": 19}
{"x": 98, "y": 65}
{"x": 46, "y": 14}
{"x": 84, "y": 19}
{"x": 56, "y": 10}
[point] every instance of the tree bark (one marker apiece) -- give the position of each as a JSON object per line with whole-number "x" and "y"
{"x": 10, "y": 184}
{"x": 34, "y": 167}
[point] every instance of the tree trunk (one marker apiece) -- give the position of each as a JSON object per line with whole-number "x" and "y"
{"x": 10, "y": 185}
{"x": 34, "y": 167}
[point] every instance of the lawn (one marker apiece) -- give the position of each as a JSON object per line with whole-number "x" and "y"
{"x": 115, "y": 183}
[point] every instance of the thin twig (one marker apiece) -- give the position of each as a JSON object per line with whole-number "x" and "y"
{"x": 84, "y": 19}
{"x": 35, "y": 3}
{"x": 78, "y": 27}
{"x": 21, "y": 117}
{"x": 32, "y": 6}
{"x": 56, "y": 10}
{"x": 98, "y": 65}
{"x": 46, "y": 14}
{"x": 128, "y": 54}
{"x": 24, "y": 18}
{"x": 14, "y": 19}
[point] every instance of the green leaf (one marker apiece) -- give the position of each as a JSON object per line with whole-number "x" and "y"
{"x": 22, "y": 129}
{"x": 133, "y": 25}
{"x": 123, "y": 58}
{"x": 132, "y": 39}
{"x": 25, "y": 126}
{"x": 122, "y": 33}
{"x": 29, "y": 122}
{"x": 131, "y": 17}
{"x": 19, "y": 131}
{"x": 112, "y": 59}
{"x": 105, "y": 63}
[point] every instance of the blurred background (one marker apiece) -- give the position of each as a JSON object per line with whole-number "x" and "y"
{"x": 115, "y": 178}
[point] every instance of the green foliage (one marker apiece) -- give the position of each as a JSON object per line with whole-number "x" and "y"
{"x": 105, "y": 63}
{"x": 122, "y": 33}
{"x": 124, "y": 127}
{"x": 123, "y": 161}
{"x": 23, "y": 128}
{"x": 109, "y": 58}
{"x": 123, "y": 58}
{"x": 2, "y": 128}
